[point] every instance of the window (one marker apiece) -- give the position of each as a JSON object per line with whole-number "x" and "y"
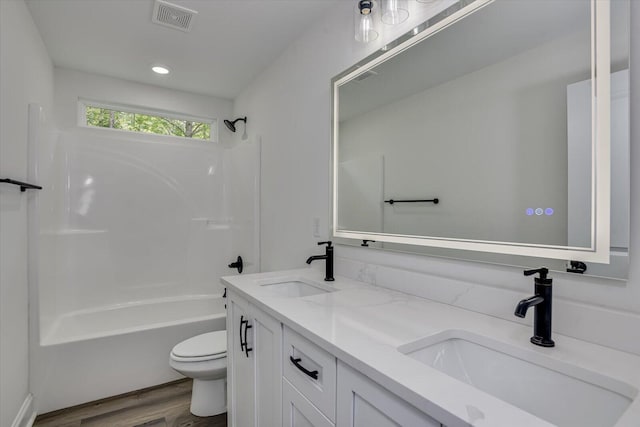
{"x": 159, "y": 123}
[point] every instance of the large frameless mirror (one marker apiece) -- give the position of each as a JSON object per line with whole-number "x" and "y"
{"x": 480, "y": 136}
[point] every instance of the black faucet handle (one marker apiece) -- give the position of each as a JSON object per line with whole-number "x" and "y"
{"x": 542, "y": 270}
{"x": 328, "y": 243}
{"x": 542, "y": 280}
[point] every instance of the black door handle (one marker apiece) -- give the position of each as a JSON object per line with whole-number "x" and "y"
{"x": 296, "y": 362}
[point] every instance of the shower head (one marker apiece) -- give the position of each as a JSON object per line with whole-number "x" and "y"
{"x": 231, "y": 125}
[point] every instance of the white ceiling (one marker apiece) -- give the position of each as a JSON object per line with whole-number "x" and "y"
{"x": 232, "y": 41}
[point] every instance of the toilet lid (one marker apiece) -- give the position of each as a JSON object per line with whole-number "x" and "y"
{"x": 209, "y": 344}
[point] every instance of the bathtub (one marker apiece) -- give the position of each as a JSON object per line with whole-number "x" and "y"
{"x": 92, "y": 354}
{"x": 133, "y": 317}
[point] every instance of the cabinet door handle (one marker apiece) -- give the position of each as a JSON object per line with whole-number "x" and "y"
{"x": 247, "y": 349}
{"x": 242, "y": 344}
{"x": 296, "y": 362}
{"x": 243, "y": 337}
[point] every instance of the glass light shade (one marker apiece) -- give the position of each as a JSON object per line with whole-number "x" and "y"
{"x": 394, "y": 11}
{"x": 365, "y": 24}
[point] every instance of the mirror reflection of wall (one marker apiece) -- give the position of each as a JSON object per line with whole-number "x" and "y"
{"x": 480, "y": 116}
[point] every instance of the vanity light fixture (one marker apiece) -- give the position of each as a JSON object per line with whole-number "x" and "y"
{"x": 160, "y": 69}
{"x": 364, "y": 21}
{"x": 394, "y": 11}
{"x": 366, "y": 18}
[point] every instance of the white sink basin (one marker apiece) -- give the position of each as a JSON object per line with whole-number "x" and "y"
{"x": 560, "y": 393}
{"x": 295, "y": 288}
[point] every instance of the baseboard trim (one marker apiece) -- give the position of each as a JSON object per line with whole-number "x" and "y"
{"x": 32, "y": 419}
{"x": 26, "y": 416}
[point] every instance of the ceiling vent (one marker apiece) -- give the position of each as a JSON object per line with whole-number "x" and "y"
{"x": 173, "y": 16}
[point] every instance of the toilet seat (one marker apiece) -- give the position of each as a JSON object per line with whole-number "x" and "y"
{"x": 209, "y": 346}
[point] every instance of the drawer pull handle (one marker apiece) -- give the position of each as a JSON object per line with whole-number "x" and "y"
{"x": 312, "y": 374}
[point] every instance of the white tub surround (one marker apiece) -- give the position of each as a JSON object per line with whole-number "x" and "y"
{"x": 363, "y": 326}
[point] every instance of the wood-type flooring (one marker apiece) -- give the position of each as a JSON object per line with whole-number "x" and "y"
{"x": 165, "y": 405}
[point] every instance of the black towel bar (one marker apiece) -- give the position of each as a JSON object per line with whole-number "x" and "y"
{"x": 434, "y": 201}
{"x": 23, "y": 185}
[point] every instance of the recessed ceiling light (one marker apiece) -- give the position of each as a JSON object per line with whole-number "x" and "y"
{"x": 160, "y": 69}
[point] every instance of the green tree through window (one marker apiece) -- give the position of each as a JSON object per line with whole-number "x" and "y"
{"x": 146, "y": 123}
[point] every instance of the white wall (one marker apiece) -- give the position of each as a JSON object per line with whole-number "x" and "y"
{"x": 290, "y": 104}
{"x": 26, "y": 75}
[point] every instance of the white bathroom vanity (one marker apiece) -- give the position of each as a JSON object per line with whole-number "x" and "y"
{"x": 304, "y": 352}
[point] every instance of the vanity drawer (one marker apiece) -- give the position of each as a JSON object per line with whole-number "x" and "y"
{"x": 297, "y": 411}
{"x": 311, "y": 370}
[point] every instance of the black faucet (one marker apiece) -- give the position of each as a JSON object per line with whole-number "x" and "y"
{"x": 328, "y": 256}
{"x": 542, "y": 301}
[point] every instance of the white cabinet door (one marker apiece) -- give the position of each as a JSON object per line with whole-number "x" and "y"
{"x": 240, "y": 363}
{"x": 297, "y": 411}
{"x": 363, "y": 403}
{"x": 268, "y": 362}
{"x": 254, "y": 366}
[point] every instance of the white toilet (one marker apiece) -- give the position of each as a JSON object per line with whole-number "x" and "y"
{"x": 204, "y": 358}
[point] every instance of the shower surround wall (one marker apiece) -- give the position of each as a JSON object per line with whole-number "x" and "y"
{"x": 135, "y": 231}
{"x": 132, "y": 219}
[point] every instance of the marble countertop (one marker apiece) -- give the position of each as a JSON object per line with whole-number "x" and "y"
{"x": 363, "y": 325}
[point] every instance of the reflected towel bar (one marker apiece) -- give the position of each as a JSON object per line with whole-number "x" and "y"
{"x": 23, "y": 185}
{"x": 434, "y": 201}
